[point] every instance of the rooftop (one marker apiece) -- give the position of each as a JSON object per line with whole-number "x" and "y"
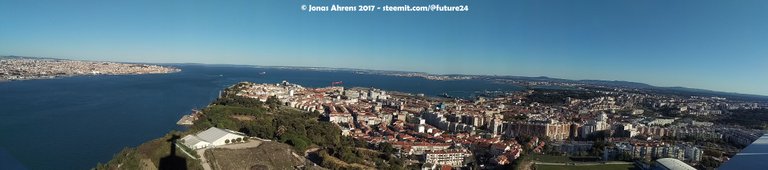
{"x": 753, "y": 156}
{"x": 674, "y": 164}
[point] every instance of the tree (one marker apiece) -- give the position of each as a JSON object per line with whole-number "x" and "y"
{"x": 598, "y": 147}
{"x": 386, "y": 148}
{"x": 714, "y": 153}
{"x": 624, "y": 156}
{"x": 550, "y": 150}
{"x": 298, "y": 143}
{"x": 273, "y": 102}
{"x": 641, "y": 137}
{"x": 226, "y": 141}
{"x": 710, "y": 162}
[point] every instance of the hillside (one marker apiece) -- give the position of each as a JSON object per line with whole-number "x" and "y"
{"x": 152, "y": 155}
{"x": 292, "y": 130}
{"x": 268, "y": 155}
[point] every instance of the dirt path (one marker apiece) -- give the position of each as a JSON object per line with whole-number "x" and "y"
{"x": 147, "y": 164}
{"x": 203, "y": 161}
{"x": 527, "y": 165}
{"x": 182, "y": 150}
{"x": 249, "y": 144}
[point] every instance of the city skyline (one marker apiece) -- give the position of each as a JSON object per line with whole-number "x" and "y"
{"x": 711, "y": 45}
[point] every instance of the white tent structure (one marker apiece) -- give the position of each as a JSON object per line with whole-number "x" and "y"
{"x": 212, "y": 137}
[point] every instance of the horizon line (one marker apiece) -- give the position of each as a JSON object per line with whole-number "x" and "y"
{"x": 422, "y": 72}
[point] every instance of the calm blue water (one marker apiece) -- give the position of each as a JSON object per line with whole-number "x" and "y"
{"x": 73, "y": 123}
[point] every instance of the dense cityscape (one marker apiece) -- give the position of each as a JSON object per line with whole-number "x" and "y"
{"x": 597, "y": 126}
{"x": 384, "y": 85}
{"x": 25, "y": 68}
{"x": 551, "y": 122}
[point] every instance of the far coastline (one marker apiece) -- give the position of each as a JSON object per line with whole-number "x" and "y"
{"x": 15, "y": 68}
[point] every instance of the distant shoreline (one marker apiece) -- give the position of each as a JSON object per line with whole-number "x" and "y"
{"x": 25, "y": 68}
{"x": 502, "y": 79}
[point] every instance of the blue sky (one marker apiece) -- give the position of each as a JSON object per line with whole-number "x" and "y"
{"x": 717, "y": 45}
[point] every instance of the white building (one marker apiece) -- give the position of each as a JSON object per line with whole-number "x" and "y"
{"x": 340, "y": 117}
{"x": 661, "y": 121}
{"x": 211, "y": 138}
{"x": 454, "y": 158}
{"x": 600, "y": 123}
{"x": 670, "y": 164}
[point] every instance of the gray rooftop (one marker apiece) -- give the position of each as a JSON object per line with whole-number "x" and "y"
{"x": 214, "y": 133}
{"x": 754, "y": 156}
{"x": 674, "y": 164}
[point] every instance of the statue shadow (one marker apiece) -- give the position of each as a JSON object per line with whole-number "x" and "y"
{"x": 172, "y": 161}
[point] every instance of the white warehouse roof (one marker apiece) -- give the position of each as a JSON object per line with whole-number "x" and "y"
{"x": 214, "y": 133}
{"x": 674, "y": 164}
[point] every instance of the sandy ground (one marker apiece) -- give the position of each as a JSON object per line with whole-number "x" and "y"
{"x": 207, "y": 166}
{"x": 147, "y": 164}
{"x": 269, "y": 155}
{"x": 203, "y": 161}
{"x": 250, "y": 144}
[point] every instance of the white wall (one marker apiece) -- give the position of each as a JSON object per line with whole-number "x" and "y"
{"x": 221, "y": 141}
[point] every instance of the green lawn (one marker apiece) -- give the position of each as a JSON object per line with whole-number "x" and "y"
{"x": 549, "y": 158}
{"x": 586, "y": 167}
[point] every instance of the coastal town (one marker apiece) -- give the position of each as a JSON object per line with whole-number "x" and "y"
{"x": 596, "y": 127}
{"x": 26, "y": 68}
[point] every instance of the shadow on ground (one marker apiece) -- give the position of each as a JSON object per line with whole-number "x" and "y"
{"x": 172, "y": 161}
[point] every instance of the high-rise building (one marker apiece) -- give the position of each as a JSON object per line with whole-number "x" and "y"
{"x": 552, "y": 130}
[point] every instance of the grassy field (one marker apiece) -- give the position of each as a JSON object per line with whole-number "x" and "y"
{"x": 150, "y": 155}
{"x": 550, "y": 158}
{"x": 586, "y": 167}
{"x": 268, "y": 155}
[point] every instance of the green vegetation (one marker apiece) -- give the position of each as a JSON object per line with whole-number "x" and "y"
{"x": 329, "y": 161}
{"x": 586, "y": 167}
{"x": 516, "y": 117}
{"x": 549, "y": 158}
{"x": 521, "y": 162}
{"x": 271, "y": 120}
{"x": 599, "y": 146}
{"x": 298, "y": 129}
{"x": 710, "y": 162}
{"x": 229, "y": 98}
{"x": 150, "y": 152}
{"x": 354, "y": 154}
{"x": 751, "y": 118}
{"x": 268, "y": 155}
{"x": 188, "y": 150}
